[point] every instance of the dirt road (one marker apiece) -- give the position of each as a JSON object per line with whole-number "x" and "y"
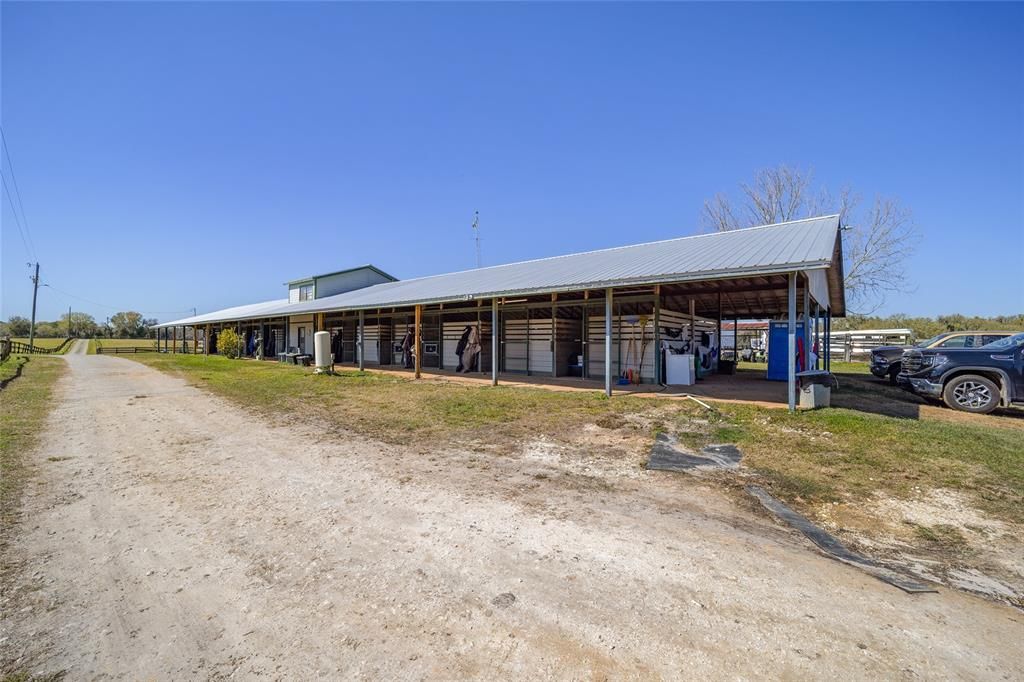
{"x": 169, "y": 535}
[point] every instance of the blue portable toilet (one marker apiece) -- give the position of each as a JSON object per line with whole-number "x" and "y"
{"x": 778, "y": 348}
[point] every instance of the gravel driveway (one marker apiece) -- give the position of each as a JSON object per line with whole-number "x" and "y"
{"x": 170, "y": 535}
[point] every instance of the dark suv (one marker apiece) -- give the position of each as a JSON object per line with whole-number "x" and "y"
{"x": 886, "y": 361}
{"x": 972, "y": 380}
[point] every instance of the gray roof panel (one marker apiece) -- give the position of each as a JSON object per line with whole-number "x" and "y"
{"x": 767, "y": 249}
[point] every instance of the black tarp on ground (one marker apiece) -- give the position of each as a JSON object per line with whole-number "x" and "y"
{"x": 668, "y": 455}
{"x": 831, "y": 545}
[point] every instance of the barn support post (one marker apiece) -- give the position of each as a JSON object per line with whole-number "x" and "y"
{"x": 618, "y": 350}
{"x": 828, "y": 339}
{"x": 693, "y": 337}
{"x": 807, "y": 325}
{"x": 817, "y": 341}
{"x": 718, "y": 337}
{"x": 657, "y": 335}
{"x": 479, "y": 328}
{"x": 417, "y": 346}
{"x": 585, "y": 336}
{"x": 554, "y": 335}
{"x": 174, "y": 340}
{"x": 494, "y": 342}
{"x": 608, "y": 342}
{"x": 791, "y": 355}
{"x": 736, "y": 340}
{"x": 360, "y": 338}
{"x": 528, "y": 312}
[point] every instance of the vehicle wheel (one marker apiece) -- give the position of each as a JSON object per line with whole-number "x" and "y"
{"x": 894, "y": 373}
{"x": 971, "y": 393}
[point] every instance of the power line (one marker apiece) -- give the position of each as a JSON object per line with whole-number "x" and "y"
{"x": 115, "y": 307}
{"x": 17, "y": 192}
{"x": 17, "y": 220}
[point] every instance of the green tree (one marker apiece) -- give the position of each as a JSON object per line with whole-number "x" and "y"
{"x": 128, "y": 325}
{"x": 82, "y": 325}
{"x": 18, "y": 325}
{"x": 229, "y": 344}
{"x": 50, "y": 330}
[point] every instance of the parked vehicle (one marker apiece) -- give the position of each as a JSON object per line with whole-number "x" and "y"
{"x": 969, "y": 379}
{"x": 886, "y": 361}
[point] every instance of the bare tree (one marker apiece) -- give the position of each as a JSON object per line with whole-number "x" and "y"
{"x": 877, "y": 239}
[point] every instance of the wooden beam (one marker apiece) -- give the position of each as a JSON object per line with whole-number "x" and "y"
{"x": 494, "y": 342}
{"x": 791, "y": 345}
{"x": 416, "y": 340}
{"x": 608, "y": 342}
{"x": 360, "y": 339}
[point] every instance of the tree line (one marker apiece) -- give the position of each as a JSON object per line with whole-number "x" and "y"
{"x": 927, "y": 327}
{"x": 124, "y": 325}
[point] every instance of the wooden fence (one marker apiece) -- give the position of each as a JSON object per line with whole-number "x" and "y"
{"x": 8, "y": 346}
{"x": 117, "y": 350}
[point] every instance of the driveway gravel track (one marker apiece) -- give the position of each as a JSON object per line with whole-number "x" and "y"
{"x": 168, "y": 534}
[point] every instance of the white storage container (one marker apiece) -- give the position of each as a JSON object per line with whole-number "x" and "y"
{"x": 814, "y": 396}
{"x": 322, "y": 355}
{"x": 679, "y": 369}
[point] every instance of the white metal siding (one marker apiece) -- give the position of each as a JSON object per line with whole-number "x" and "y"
{"x": 294, "y": 322}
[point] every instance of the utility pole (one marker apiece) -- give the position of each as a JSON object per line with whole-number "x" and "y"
{"x": 35, "y": 293}
{"x": 476, "y": 235}
{"x": 69, "y": 322}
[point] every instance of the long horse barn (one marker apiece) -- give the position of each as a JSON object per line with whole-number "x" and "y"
{"x": 648, "y": 314}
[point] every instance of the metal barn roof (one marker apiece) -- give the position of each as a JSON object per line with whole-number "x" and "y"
{"x": 251, "y": 311}
{"x": 769, "y": 249}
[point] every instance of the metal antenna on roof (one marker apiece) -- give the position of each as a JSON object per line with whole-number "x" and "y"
{"x": 476, "y": 235}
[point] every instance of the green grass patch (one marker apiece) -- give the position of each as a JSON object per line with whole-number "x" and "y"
{"x": 838, "y": 367}
{"x": 837, "y": 454}
{"x": 398, "y": 409}
{"x": 942, "y": 534}
{"x": 9, "y": 367}
{"x": 846, "y": 454}
{"x": 26, "y": 402}
{"x": 120, "y": 343}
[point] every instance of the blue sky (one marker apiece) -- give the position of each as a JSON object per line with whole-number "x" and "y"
{"x": 180, "y": 155}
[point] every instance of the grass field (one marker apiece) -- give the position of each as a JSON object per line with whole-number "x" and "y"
{"x": 41, "y": 343}
{"x": 838, "y": 367}
{"x": 808, "y": 458}
{"x": 25, "y": 403}
{"x": 122, "y": 343}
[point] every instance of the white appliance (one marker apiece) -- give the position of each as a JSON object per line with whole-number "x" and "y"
{"x": 679, "y": 369}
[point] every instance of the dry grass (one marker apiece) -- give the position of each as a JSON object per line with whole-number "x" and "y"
{"x": 25, "y": 403}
